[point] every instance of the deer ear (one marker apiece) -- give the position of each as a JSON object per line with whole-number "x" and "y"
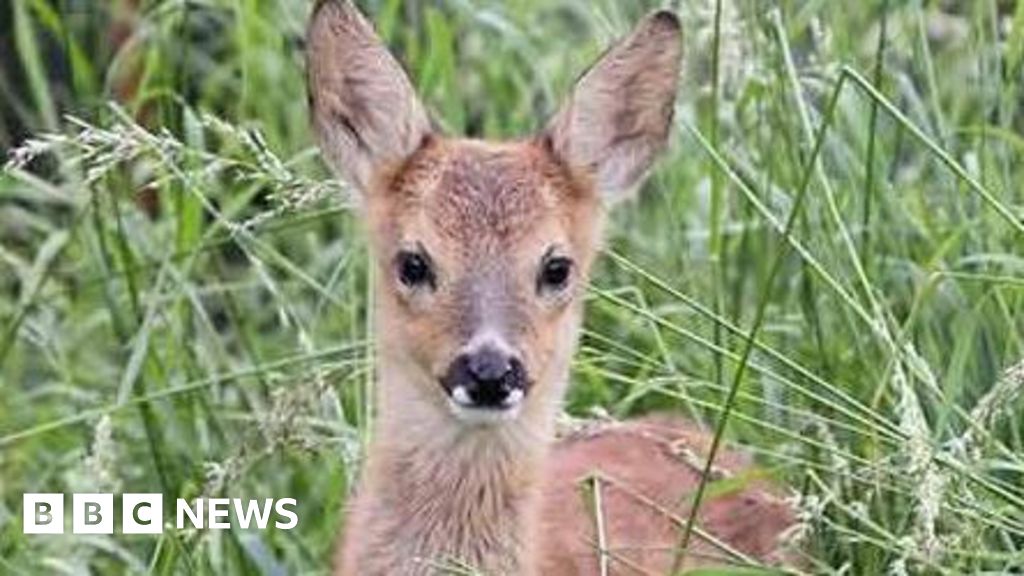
{"x": 619, "y": 115}
{"x": 365, "y": 111}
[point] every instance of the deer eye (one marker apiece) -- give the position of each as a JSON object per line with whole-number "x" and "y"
{"x": 414, "y": 269}
{"x": 554, "y": 274}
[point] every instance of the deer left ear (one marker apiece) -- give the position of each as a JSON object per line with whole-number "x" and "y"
{"x": 620, "y": 113}
{"x": 365, "y": 111}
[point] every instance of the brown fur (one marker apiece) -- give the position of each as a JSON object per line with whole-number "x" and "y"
{"x": 502, "y": 496}
{"x": 646, "y": 472}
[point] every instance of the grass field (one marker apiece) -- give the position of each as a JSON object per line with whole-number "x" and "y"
{"x": 831, "y": 255}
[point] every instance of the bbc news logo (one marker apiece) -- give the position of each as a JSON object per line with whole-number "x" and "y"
{"x": 143, "y": 513}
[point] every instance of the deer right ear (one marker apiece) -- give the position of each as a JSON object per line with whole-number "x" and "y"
{"x": 365, "y": 111}
{"x": 619, "y": 115}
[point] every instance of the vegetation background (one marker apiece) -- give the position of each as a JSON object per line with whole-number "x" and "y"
{"x": 832, "y": 255}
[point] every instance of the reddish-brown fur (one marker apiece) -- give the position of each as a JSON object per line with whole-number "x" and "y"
{"x": 500, "y": 493}
{"x": 646, "y": 472}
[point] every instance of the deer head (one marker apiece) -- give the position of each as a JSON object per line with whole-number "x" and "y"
{"x": 482, "y": 249}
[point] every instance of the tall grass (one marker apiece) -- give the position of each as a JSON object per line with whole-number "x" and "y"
{"x": 826, "y": 269}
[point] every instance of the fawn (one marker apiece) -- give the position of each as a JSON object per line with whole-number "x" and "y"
{"x": 482, "y": 251}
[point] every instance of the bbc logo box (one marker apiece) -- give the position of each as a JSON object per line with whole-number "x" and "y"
{"x": 92, "y": 513}
{"x": 43, "y": 513}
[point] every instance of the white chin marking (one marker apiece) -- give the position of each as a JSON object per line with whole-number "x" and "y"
{"x": 461, "y": 397}
{"x": 462, "y": 408}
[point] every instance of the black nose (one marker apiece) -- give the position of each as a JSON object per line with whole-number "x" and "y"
{"x": 487, "y": 378}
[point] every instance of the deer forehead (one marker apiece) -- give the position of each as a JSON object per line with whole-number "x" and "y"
{"x": 469, "y": 199}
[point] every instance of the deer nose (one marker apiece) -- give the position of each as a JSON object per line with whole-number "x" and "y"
{"x": 487, "y": 378}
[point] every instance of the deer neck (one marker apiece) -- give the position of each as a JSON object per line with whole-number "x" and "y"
{"x": 437, "y": 489}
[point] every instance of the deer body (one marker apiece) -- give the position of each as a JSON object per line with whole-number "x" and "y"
{"x": 482, "y": 250}
{"x": 470, "y": 498}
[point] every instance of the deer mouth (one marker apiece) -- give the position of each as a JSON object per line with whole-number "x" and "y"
{"x": 484, "y": 405}
{"x": 465, "y": 409}
{"x": 494, "y": 401}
